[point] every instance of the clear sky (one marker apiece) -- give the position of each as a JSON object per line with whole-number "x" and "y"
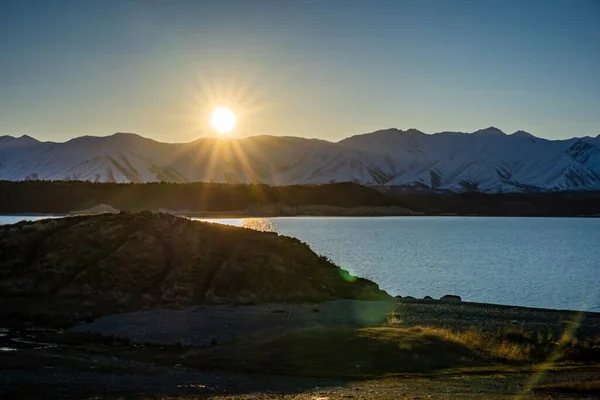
{"x": 313, "y": 68}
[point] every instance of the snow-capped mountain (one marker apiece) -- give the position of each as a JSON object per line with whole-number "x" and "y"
{"x": 487, "y": 160}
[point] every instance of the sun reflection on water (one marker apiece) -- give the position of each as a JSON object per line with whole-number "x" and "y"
{"x": 258, "y": 224}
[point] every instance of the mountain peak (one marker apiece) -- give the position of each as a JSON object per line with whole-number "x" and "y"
{"x": 520, "y": 133}
{"x": 21, "y": 140}
{"x": 388, "y": 130}
{"x": 404, "y": 158}
{"x": 124, "y": 134}
{"x": 127, "y": 136}
{"x": 491, "y": 131}
{"x": 28, "y": 139}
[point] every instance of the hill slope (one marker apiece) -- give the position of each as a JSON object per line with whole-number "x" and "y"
{"x": 115, "y": 262}
{"x": 487, "y": 160}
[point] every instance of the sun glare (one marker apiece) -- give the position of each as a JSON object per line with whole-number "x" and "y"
{"x": 223, "y": 120}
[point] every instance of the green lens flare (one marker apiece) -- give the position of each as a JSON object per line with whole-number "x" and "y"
{"x": 347, "y": 276}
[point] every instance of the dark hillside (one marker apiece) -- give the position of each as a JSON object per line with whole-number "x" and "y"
{"x": 82, "y": 266}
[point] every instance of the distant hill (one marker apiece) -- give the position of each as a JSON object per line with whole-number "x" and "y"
{"x": 487, "y": 160}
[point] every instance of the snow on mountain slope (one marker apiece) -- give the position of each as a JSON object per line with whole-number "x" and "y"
{"x": 126, "y": 157}
{"x": 487, "y": 160}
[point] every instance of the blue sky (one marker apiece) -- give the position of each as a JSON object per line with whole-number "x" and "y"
{"x": 313, "y": 68}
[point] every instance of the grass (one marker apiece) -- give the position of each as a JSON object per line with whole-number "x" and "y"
{"x": 362, "y": 353}
{"x": 388, "y": 354}
{"x": 516, "y": 345}
{"x": 509, "y": 345}
{"x": 338, "y": 353}
{"x": 375, "y": 352}
{"x": 396, "y": 354}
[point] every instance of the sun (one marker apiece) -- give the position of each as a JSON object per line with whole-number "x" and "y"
{"x": 223, "y": 120}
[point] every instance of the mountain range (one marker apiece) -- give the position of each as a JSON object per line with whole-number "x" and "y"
{"x": 487, "y": 160}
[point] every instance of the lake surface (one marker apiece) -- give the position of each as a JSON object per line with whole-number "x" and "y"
{"x": 537, "y": 262}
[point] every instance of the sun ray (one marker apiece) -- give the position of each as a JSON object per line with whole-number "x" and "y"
{"x": 542, "y": 369}
{"x": 238, "y": 89}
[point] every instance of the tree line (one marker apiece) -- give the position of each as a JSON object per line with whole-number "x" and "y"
{"x": 66, "y": 196}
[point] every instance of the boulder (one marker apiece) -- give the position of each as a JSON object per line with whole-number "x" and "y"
{"x": 451, "y": 298}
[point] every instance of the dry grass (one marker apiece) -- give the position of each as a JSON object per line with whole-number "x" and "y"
{"x": 338, "y": 352}
{"x": 510, "y": 345}
{"x": 376, "y": 352}
{"x": 518, "y": 345}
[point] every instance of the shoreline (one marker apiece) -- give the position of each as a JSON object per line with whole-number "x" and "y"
{"x": 200, "y": 325}
{"x": 431, "y": 343}
{"x": 348, "y": 306}
{"x": 476, "y": 304}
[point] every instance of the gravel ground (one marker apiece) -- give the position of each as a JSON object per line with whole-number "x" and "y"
{"x": 151, "y": 382}
{"x": 205, "y": 325}
{"x": 66, "y": 374}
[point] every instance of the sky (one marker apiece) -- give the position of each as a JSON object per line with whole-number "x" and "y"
{"x": 313, "y": 68}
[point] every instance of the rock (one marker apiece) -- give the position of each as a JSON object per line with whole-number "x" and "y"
{"x": 451, "y": 298}
{"x": 102, "y": 264}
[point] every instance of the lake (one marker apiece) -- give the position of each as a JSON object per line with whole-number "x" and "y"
{"x": 536, "y": 262}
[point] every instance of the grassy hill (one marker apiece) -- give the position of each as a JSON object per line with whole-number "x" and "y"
{"x": 79, "y": 267}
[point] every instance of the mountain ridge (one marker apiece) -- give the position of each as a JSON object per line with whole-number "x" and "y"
{"x": 487, "y": 160}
